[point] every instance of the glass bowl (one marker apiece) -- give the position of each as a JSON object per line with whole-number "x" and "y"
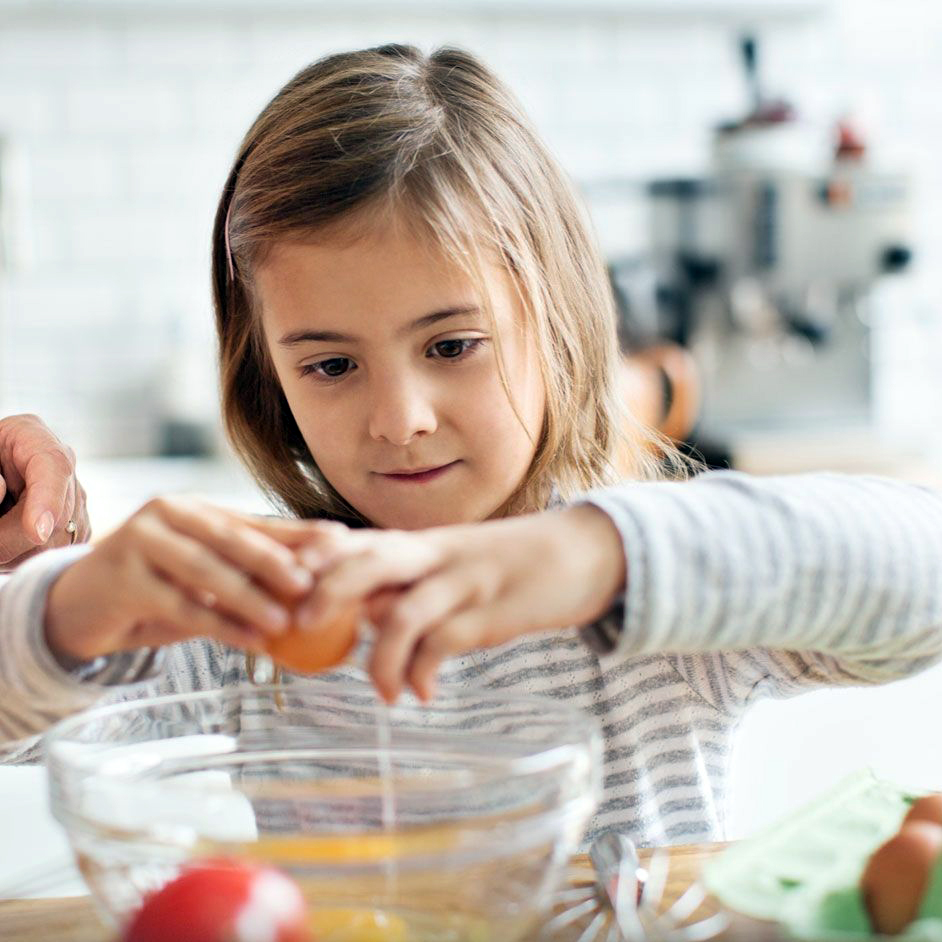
{"x": 447, "y": 822}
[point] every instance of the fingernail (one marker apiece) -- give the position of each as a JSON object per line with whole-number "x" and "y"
{"x": 44, "y": 526}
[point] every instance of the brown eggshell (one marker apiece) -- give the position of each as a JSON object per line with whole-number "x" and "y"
{"x": 897, "y": 874}
{"x": 317, "y": 649}
{"x": 928, "y": 808}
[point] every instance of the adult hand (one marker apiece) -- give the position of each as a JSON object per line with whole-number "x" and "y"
{"x": 433, "y": 594}
{"x": 39, "y": 492}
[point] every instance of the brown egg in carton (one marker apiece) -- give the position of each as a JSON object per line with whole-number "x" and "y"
{"x": 863, "y": 861}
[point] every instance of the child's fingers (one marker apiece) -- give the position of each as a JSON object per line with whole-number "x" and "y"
{"x": 385, "y": 563}
{"x": 197, "y": 569}
{"x": 296, "y": 533}
{"x": 376, "y": 607}
{"x": 411, "y": 616}
{"x": 178, "y": 618}
{"x": 323, "y": 548}
{"x": 457, "y": 636}
{"x": 232, "y": 538}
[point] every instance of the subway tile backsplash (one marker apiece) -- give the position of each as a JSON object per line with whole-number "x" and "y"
{"x": 117, "y": 128}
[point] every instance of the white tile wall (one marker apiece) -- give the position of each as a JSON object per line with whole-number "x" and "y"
{"x": 125, "y": 119}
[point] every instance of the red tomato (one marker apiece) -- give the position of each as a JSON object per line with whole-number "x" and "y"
{"x": 222, "y": 901}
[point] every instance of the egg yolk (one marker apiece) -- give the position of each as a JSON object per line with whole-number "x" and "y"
{"x": 353, "y": 925}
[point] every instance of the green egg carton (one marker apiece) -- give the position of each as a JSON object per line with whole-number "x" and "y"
{"x": 804, "y": 871}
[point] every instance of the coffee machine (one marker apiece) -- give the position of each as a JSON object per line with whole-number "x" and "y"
{"x": 764, "y": 268}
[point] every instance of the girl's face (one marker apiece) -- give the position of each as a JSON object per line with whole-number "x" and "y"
{"x": 390, "y": 370}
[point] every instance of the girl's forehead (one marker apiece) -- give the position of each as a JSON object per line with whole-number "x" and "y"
{"x": 388, "y": 272}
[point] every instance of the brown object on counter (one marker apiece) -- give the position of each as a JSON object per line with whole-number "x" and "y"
{"x": 661, "y": 387}
{"x": 927, "y": 808}
{"x": 897, "y": 875}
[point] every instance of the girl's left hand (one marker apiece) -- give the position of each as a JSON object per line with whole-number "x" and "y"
{"x": 433, "y": 594}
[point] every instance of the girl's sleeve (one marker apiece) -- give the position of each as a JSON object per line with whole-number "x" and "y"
{"x": 771, "y": 585}
{"x": 36, "y": 690}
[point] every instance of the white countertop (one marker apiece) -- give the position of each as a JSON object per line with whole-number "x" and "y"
{"x": 33, "y": 844}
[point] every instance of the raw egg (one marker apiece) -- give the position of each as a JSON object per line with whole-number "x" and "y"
{"x": 928, "y": 808}
{"x": 350, "y": 925}
{"x": 319, "y": 648}
{"x": 897, "y": 875}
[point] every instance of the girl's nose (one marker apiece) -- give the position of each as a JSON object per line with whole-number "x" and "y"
{"x": 401, "y": 411}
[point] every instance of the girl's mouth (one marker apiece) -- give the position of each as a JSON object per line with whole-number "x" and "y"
{"x": 420, "y": 475}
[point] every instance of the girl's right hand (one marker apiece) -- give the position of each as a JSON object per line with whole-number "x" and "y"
{"x": 178, "y": 569}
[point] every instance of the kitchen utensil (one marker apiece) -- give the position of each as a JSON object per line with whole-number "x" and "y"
{"x": 623, "y": 903}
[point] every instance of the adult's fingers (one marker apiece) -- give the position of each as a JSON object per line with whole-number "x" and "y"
{"x": 60, "y": 534}
{"x": 83, "y": 526}
{"x": 264, "y": 559}
{"x": 15, "y": 544}
{"x": 49, "y": 478}
{"x": 195, "y": 567}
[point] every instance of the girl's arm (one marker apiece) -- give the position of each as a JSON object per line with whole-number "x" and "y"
{"x": 784, "y": 583}
{"x": 849, "y": 567}
{"x": 36, "y": 689}
{"x": 76, "y": 623}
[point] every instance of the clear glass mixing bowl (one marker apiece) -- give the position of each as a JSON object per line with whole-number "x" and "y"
{"x": 447, "y": 822}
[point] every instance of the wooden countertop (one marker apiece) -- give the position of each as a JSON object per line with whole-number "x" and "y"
{"x": 75, "y": 920}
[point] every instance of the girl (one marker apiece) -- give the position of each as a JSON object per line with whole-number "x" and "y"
{"x": 417, "y": 342}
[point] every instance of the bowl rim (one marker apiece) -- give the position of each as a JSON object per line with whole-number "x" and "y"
{"x": 579, "y": 727}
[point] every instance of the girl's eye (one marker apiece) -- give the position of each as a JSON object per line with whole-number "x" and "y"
{"x": 452, "y": 349}
{"x": 334, "y": 368}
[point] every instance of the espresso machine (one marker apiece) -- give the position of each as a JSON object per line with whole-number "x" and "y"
{"x": 764, "y": 269}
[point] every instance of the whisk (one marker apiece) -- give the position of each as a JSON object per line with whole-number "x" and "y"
{"x": 623, "y": 903}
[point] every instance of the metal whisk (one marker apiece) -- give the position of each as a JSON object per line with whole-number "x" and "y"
{"x": 623, "y": 903}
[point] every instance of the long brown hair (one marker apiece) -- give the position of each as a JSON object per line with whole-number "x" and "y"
{"x": 438, "y": 140}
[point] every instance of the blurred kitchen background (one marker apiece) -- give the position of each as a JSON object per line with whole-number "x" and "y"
{"x": 795, "y": 254}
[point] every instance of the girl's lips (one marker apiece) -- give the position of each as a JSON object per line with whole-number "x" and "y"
{"x": 421, "y": 477}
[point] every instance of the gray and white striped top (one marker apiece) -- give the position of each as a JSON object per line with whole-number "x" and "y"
{"x": 737, "y": 588}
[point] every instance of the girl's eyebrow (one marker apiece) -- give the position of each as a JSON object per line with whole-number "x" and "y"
{"x": 295, "y": 337}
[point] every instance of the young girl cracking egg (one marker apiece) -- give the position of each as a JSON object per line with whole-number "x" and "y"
{"x": 417, "y": 343}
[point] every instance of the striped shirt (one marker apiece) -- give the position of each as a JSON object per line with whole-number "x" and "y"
{"x": 737, "y": 588}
